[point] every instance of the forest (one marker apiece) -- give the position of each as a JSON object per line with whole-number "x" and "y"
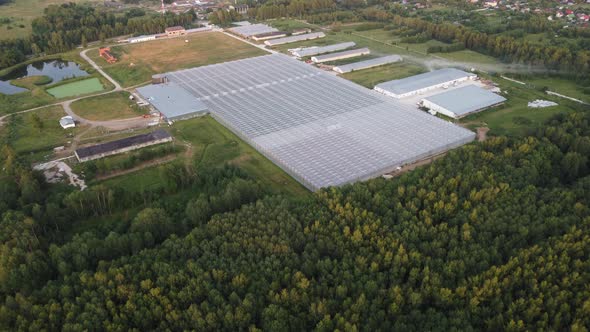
{"x": 493, "y": 236}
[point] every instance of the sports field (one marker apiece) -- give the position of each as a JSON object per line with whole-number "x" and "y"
{"x": 138, "y": 62}
{"x": 76, "y": 88}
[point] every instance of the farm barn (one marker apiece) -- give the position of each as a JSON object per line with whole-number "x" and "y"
{"x": 367, "y": 64}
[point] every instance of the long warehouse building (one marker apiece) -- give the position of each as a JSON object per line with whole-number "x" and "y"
{"x": 341, "y": 55}
{"x": 384, "y": 60}
{"x": 292, "y": 39}
{"x": 421, "y": 83}
{"x": 321, "y": 129}
{"x": 247, "y": 31}
{"x": 122, "y": 145}
{"x": 316, "y": 50}
{"x": 460, "y": 102}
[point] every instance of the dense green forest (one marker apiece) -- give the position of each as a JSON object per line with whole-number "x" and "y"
{"x": 494, "y": 236}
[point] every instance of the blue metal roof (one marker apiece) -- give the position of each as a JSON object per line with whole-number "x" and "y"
{"x": 172, "y": 100}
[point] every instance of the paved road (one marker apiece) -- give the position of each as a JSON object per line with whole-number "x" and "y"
{"x": 99, "y": 69}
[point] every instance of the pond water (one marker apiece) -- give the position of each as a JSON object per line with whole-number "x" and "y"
{"x": 58, "y": 70}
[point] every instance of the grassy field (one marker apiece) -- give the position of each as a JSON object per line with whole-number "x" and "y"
{"x": 373, "y": 76}
{"x": 561, "y": 85}
{"x": 287, "y": 24}
{"x": 515, "y": 117}
{"x": 36, "y": 142}
{"x": 77, "y": 88}
{"x": 138, "y": 62}
{"x": 22, "y": 13}
{"x": 110, "y": 106}
{"x": 213, "y": 145}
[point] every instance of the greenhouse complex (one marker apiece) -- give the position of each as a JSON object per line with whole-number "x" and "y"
{"x": 321, "y": 129}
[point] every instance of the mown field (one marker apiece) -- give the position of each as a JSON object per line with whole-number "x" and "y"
{"x": 373, "y": 76}
{"x": 515, "y": 117}
{"x": 109, "y": 106}
{"x": 138, "y": 62}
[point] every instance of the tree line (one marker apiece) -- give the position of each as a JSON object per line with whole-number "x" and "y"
{"x": 67, "y": 26}
{"x": 493, "y": 236}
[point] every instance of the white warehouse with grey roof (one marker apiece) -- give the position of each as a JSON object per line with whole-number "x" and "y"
{"x": 384, "y": 60}
{"x": 341, "y": 55}
{"x": 321, "y": 129}
{"x": 316, "y": 50}
{"x": 421, "y": 83}
{"x": 249, "y": 30}
{"x": 462, "y": 101}
{"x": 172, "y": 101}
{"x": 292, "y": 39}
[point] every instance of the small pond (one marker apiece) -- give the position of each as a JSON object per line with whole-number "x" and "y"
{"x": 58, "y": 70}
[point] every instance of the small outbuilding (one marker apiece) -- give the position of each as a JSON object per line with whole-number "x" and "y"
{"x": 175, "y": 31}
{"x": 462, "y": 101}
{"x": 67, "y": 122}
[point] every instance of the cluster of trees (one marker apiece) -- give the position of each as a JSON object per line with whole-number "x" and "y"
{"x": 294, "y": 8}
{"x": 64, "y": 27}
{"x": 224, "y": 18}
{"x": 446, "y": 48}
{"x": 503, "y": 47}
{"x": 494, "y": 236}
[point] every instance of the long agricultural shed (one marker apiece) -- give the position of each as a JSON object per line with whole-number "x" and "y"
{"x": 341, "y": 55}
{"x": 367, "y": 64}
{"x": 292, "y": 39}
{"x": 316, "y": 50}
{"x": 247, "y": 31}
{"x": 122, "y": 145}
{"x": 321, "y": 129}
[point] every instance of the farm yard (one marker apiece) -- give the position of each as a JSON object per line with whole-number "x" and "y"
{"x": 138, "y": 62}
{"x": 209, "y": 144}
{"x": 35, "y": 134}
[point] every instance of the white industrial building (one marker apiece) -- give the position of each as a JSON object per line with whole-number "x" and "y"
{"x": 269, "y": 35}
{"x": 462, "y": 101}
{"x": 292, "y": 39}
{"x": 341, "y": 55}
{"x": 140, "y": 39}
{"x": 418, "y": 84}
{"x": 316, "y": 50}
{"x": 384, "y": 60}
{"x": 249, "y": 30}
